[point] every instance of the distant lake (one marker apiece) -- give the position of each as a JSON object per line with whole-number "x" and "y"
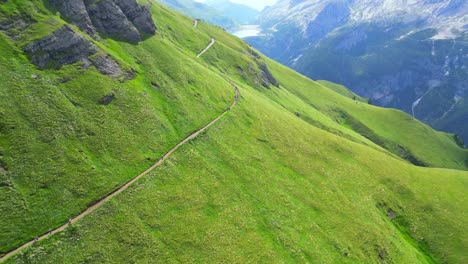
{"x": 247, "y": 31}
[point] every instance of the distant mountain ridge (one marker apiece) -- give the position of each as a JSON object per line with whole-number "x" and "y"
{"x": 441, "y": 14}
{"x": 411, "y": 55}
{"x": 223, "y": 13}
{"x": 239, "y": 12}
{"x": 198, "y": 10}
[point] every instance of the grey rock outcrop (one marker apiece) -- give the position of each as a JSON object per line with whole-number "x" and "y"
{"x": 267, "y": 76}
{"x": 121, "y": 19}
{"x": 110, "y": 20}
{"x": 65, "y": 46}
{"x": 261, "y": 75}
{"x": 138, "y": 15}
{"x": 258, "y": 71}
{"x": 107, "y": 66}
{"x": 13, "y": 26}
{"x": 332, "y": 16}
{"x": 75, "y": 12}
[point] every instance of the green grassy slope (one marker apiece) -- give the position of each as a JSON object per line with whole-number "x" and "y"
{"x": 388, "y": 128}
{"x": 340, "y": 89}
{"x": 294, "y": 174}
{"x": 254, "y": 190}
{"x": 63, "y": 150}
{"x": 392, "y": 129}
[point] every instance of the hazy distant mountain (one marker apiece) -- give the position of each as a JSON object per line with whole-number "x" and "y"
{"x": 411, "y": 55}
{"x": 240, "y": 13}
{"x": 444, "y": 15}
{"x": 201, "y": 11}
{"x": 222, "y": 13}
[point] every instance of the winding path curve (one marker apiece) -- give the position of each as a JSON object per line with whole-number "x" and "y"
{"x": 212, "y": 42}
{"x": 131, "y": 182}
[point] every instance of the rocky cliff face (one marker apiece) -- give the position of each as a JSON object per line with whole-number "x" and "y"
{"x": 138, "y": 15}
{"x": 65, "y": 46}
{"x": 121, "y": 19}
{"x": 267, "y": 77}
{"x": 333, "y": 15}
{"x": 75, "y": 12}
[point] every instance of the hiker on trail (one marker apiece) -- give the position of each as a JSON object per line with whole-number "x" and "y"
{"x": 69, "y": 221}
{"x": 50, "y": 232}
{"x": 36, "y": 239}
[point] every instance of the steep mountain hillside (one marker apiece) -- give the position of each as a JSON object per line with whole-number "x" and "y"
{"x": 410, "y": 55}
{"x": 289, "y": 171}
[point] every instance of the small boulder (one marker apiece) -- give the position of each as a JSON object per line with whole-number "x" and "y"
{"x": 391, "y": 214}
{"x": 155, "y": 86}
{"x": 107, "y": 99}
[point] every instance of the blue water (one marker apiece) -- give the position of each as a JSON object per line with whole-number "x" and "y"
{"x": 247, "y": 31}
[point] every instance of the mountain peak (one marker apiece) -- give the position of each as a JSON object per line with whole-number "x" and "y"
{"x": 439, "y": 14}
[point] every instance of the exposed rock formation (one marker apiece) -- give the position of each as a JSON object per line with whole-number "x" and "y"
{"x": 107, "y": 66}
{"x": 120, "y": 19}
{"x": 109, "y": 19}
{"x": 259, "y": 71}
{"x": 65, "y": 46}
{"x": 75, "y": 12}
{"x": 12, "y": 26}
{"x": 267, "y": 77}
{"x": 138, "y": 15}
{"x": 332, "y": 16}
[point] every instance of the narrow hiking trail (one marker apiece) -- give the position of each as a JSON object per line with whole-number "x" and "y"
{"x": 212, "y": 42}
{"x": 131, "y": 182}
